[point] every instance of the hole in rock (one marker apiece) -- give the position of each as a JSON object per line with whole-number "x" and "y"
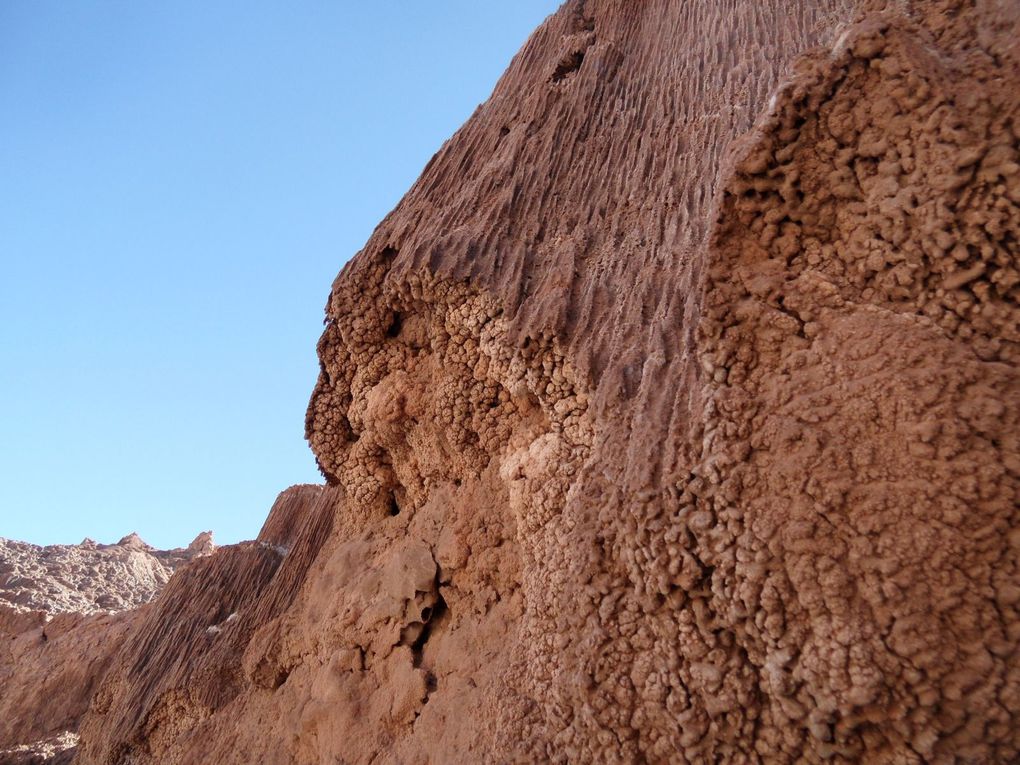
{"x": 281, "y": 677}
{"x": 568, "y": 65}
{"x": 394, "y": 505}
{"x": 438, "y": 609}
{"x": 395, "y": 324}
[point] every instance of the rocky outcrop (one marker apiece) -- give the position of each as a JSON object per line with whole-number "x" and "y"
{"x": 88, "y": 578}
{"x": 670, "y": 417}
{"x": 65, "y": 611}
{"x": 208, "y": 638}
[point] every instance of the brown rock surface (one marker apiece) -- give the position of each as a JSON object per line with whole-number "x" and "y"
{"x": 48, "y": 674}
{"x": 64, "y": 613}
{"x": 671, "y": 416}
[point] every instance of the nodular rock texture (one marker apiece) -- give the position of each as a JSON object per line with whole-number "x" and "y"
{"x": 670, "y": 417}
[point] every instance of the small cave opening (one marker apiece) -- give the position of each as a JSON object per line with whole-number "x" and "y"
{"x": 280, "y": 677}
{"x": 430, "y": 615}
{"x": 395, "y": 325}
{"x": 394, "y": 508}
{"x": 568, "y": 65}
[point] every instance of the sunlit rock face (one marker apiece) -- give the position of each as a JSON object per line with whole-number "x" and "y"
{"x": 89, "y": 578}
{"x": 64, "y": 613}
{"x": 670, "y": 417}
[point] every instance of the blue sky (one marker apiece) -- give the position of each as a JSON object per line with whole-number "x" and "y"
{"x": 180, "y": 184}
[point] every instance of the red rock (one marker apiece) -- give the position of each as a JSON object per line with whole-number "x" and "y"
{"x": 64, "y": 613}
{"x": 667, "y": 418}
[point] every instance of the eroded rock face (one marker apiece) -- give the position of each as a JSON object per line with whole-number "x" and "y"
{"x": 670, "y": 417}
{"x": 49, "y": 672}
{"x": 64, "y": 613}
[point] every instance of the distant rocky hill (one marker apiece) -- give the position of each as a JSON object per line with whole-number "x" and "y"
{"x": 64, "y": 613}
{"x": 89, "y": 578}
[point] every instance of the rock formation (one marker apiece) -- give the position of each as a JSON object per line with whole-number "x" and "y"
{"x": 88, "y": 578}
{"x": 670, "y": 417}
{"x": 64, "y": 613}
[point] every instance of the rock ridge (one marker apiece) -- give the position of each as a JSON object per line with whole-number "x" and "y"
{"x": 89, "y": 577}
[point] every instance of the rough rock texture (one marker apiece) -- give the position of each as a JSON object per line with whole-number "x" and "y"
{"x": 56, "y": 750}
{"x": 670, "y": 417}
{"x": 49, "y": 672}
{"x": 88, "y": 578}
{"x": 64, "y": 613}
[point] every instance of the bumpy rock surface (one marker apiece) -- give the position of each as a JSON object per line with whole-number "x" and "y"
{"x": 670, "y": 417}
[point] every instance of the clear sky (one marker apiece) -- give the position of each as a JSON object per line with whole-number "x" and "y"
{"x": 180, "y": 182}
